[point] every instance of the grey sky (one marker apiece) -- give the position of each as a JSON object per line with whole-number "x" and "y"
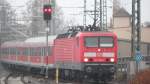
{"x": 145, "y": 5}
{"x": 76, "y": 14}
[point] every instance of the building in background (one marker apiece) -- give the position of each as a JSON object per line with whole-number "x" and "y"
{"x": 121, "y": 19}
{"x": 122, "y": 28}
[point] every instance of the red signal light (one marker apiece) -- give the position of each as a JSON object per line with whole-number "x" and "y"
{"x": 47, "y": 11}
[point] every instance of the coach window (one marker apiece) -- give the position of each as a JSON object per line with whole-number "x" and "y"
{"x": 23, "y": 51}
{"x": 14, "y": 51}
{"x": 26, "y": 51}
{"x": 8, "y": 51}
{"x": 17, "y": 52}
{"x": 49, "y": 50}
{"x": 33, "y": 51}
{"x": 11, "y": 51}
{"x": 29, "y": 52}
{"x": 0, "y": 51}
{"x": 38, "y": 50}
{"x": 5, "y": 51}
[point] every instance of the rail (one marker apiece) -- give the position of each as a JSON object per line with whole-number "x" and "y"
{"x": 7, "y": 77}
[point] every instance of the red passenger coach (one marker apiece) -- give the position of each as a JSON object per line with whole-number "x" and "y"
{"x": 30, "y": 54}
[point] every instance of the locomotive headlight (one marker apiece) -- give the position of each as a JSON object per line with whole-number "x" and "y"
{"x": 86, "y": 59}
{"x": 89, "y": 54}
{"x": 112, "y": 59}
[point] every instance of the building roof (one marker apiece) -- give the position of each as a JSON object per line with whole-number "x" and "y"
{"x": 121, "y": 13}
{"x": 125, "y": 34}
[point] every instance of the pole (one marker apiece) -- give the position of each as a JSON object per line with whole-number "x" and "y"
{"x": 95, "y": 3}
{"x": 133, "y": 31}
{"x": 84, "y": 17}
{"x": 47, "y": 49}
{"x": 57, "y": 74}
{"x": 136, "y": 31}
{"x": 101, "y": 27}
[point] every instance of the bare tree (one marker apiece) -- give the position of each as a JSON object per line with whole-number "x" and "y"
{"x": 37, "y": 24}
{"x": 116, "y": 6}
{"x": 6, "y": 21}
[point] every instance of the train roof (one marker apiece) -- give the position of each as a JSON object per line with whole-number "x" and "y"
{"x": 74, "y": 34}
{"x": 30, "y": 42}
{"x": 41, "y": 39}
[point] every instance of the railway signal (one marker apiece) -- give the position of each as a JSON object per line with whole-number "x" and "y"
{"x": 47, "y": 12}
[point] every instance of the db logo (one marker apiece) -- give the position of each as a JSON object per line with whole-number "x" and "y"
{"x": 99, "y": 54}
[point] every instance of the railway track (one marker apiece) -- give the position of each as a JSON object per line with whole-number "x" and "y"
{"x": 15, "y": 77}
{"x": 6, "y": 78}
{"x": 12, "y": 78}
{"x": 28, "y": 79}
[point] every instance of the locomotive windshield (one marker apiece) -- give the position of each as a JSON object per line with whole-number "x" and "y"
{"x": 101, "y": 41}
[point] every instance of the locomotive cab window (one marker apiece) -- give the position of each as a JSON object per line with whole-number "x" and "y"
{"x": 106, "y": 41}
{"x": 101, "y": 41}
{"x": 91, "y": 41}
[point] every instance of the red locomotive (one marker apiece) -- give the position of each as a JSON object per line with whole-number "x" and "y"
{"x": 78, "y": 55}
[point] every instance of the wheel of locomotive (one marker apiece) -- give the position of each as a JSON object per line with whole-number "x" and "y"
{"x": 66, "y": 74}
{"x": 61, "y": 75}
{"x": 76, "y": 76}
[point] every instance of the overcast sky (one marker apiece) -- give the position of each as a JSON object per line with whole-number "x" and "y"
{"x": 76, "y": 14}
